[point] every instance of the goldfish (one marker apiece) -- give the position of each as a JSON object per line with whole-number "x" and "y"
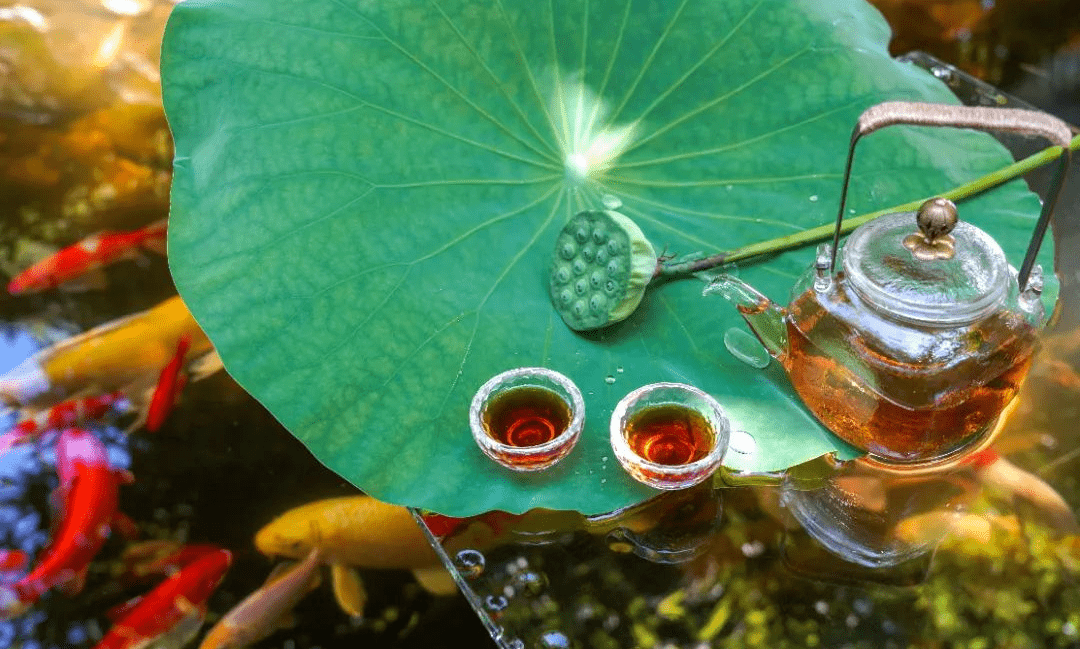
{"x": 257, "y": 616}
{"x": 126, "y": 354}
{"x": 170, "y": 383}
{"x": 65, "y": 414}
{"x": 89, "y": 489}
{"x": 172, "y": 613}
{"x": 355, "y": 532}
{"x": 91, "y": 254}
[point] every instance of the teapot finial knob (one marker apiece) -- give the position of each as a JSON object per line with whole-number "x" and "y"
{"x": 936, "y": 219}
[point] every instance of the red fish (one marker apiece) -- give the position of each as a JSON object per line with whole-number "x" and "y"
{"x": 151, "y": 559}
{"x": 176, "y": 607}
{"x": 982, "y": 459}
{"x": 442, "y": 526}
{"x": 89, "y": 489}
{"x": 170, "y": 382}
{"x": 62, "y": 415}
{"x": 11, "y": 560}
{"x": 88, "y": 255}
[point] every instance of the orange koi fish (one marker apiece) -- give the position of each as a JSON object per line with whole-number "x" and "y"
{"x": 89, "y": 489}
{"x": 170, "y": 382}
{"x": 65, "y": 414}
{"x": 258, "y": 615}
{"x": 126, "y": 354}
{"x": 175, "y": 609}
{"x": 355, "y": 532}
{"x": 88, "y": 255}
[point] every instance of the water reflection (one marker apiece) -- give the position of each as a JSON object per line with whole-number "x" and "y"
{"x": 859, "y": 514}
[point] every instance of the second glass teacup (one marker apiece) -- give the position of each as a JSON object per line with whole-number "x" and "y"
{"x": 669, "y": 435}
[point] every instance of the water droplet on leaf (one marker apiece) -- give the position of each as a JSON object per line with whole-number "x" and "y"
{"x": 746, "y": 348}
{"x": 742, "y": 442}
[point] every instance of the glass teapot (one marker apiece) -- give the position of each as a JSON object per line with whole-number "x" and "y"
{"x": 912, "y": 349}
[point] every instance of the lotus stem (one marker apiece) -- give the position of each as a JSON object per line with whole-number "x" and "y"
{"x": 779, "y": 244}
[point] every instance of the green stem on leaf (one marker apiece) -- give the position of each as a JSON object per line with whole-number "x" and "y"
{"x": 779, "y": 244}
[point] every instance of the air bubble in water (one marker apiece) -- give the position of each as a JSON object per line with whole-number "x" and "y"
{"x": 746, "y": 348}
{"x": 470, "y": 563}
{"x": 496, "y": 603}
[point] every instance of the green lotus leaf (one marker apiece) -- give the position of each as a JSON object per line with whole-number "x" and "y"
{"x": 367, "y": 196}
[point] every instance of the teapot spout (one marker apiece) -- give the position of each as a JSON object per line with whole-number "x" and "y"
{"x": 765, "y": 317}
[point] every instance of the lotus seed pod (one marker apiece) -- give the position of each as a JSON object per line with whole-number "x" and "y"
{"x": 605, "y": 262}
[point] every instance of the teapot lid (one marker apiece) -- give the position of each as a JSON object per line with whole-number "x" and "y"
{"x": 928, "y": 277}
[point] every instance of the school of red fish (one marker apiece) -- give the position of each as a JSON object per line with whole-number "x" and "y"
{"x": 91, "y": 377}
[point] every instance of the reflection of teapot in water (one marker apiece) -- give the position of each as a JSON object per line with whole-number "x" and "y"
{"x": 913, "y": 349}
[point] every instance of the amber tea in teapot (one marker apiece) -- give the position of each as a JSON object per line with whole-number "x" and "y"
{"x": 905, "y": 409}
{"x": 918, "y": 343}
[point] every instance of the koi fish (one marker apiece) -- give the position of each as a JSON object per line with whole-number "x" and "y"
{"x": 65, "y": 414}
{"x": 1001, "y": 475}
{"x": 125, "y": 354}
{"x": 355, "y": 532}
{"x": 174, "y": 610}
{"x": 89, "y": 255}
{"x": 89, "y": 489}
{"x": 258, "y": 615}
{"x": 170, "y": 382}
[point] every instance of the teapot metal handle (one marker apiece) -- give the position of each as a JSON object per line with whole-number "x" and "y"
{"x": 1011, "y": 120}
